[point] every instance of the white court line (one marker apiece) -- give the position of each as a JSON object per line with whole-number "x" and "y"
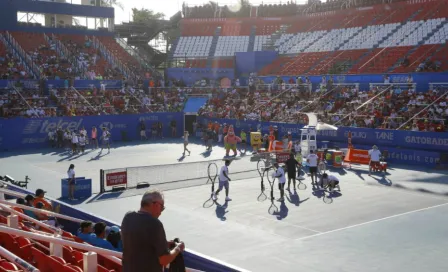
{"x": 369, "y": 222}
{"x": 283, "y": 222}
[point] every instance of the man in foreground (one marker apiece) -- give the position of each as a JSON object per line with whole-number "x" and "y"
{"x": 145, "y": 247}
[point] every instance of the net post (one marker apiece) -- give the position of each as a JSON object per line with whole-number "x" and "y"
{"x": 101, "y": 181}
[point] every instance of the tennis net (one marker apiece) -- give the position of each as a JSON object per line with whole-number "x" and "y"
{"x": 172, "y": 176}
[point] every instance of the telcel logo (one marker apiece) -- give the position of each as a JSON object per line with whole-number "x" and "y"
{"x": 47, "y": 126}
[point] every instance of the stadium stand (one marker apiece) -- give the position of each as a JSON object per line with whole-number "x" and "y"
{"x": 390, "y": 32}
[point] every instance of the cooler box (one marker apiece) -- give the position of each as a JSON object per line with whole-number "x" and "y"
{"x": 329, "y": 157}
{"x": 338, "y": 157}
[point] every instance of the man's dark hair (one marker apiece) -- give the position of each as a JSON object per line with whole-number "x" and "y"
{"x": 29, "y": 197}
{"x": 20, "y": 201}
{"x": 114, "y": 238}
{"x": 85, "y": 224}
{"x": 99, "y": 228}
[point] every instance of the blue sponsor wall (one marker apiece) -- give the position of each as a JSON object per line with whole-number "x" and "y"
{"x": 22, "y": 133}
{"x": 403, "y": 146}
{"x": 192, "y": 75}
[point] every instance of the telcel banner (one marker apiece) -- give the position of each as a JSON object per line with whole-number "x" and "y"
{"x": 23, "y": 133}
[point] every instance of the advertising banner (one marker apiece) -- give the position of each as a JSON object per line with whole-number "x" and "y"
{"x": 282, "y": 157}
{"x": 118, "y": 178}
{"x": 83, "y": 188}
{"x": 415, "y": 140}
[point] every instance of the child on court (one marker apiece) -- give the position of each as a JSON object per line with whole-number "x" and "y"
{"x": 280, "y": 175}
{"x": 105, "y": 138}
{"x": 186, "y": 134}
{"x": 223, "y": 181}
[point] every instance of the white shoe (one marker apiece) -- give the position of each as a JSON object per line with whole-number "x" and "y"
{"x": 228, "y": 198}
{"x": 214, "y": 197}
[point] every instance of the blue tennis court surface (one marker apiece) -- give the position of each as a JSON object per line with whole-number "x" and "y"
{"x": 395, "y": 222}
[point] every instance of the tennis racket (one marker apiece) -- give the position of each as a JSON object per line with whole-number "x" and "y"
{"x": 212, "y": 172}
{"x": 270, "y": 175}
{"x": 261, "y": 171}
{"x": 301, "y": 185}
{"x": 327, "y": 197}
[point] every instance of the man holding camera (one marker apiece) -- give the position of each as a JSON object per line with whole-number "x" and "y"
{"x": 145, "y": 247}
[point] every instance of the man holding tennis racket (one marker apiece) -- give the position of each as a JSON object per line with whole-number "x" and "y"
{"x": 291, "y": 165}
{"x": 280, "y": 175}
{"x": 223, "y": 181}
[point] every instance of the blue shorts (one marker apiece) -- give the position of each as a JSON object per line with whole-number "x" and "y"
{"x": 223, "y": 183}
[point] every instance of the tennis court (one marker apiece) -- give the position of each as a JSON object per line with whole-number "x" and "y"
{"x": 391, "y": 223}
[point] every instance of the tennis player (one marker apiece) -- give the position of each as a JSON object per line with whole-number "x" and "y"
{"x": 329, "y": 180}
{"x": 186, "y": 134}
{"x": 280, "y": 175}
{"x": 223, "y": 181}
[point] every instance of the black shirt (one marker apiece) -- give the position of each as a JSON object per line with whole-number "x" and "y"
{"x": 144, "y": 241}
{"x": 291, "y": 165}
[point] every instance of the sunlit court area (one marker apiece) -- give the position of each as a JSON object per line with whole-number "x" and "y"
{"x": 204, "y": 136}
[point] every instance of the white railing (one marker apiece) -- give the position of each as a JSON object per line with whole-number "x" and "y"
{"x": 424, "y": 109}
{"x": 365, "y": 103}
{"x": 21, "y": 96}
{"x": 19, "y": 53}
{"x": 82, "y": 96}
{"x": 62, "y": 242}
{"x": 433, "y": 85}
{"x": 16, "y": 260}
{"x": 393, "y": 84}
{"x": 111, "y": 58}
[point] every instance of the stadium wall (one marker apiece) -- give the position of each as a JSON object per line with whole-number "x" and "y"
{"x": 404, "y": 146}
{"x": 9, "y": 20}
{"x": 248, "y": 62}
{"x": 193, "y": 259}
{"x": 21, "y": 133}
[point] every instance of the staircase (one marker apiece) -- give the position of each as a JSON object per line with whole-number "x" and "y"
{"x": 173, "y": 49}
{"x": 135, "y": 53}
{"x": 253, "y": 33}
{"x": 112, "y": 59}
{"x": 336, "y": 49}
{"x": 20, "y": 54}
{"x": 272, "y": 40}
{"x": 420, "y": 43}
{"x": 211, "y": 53}
{"x": 381, "y": 41}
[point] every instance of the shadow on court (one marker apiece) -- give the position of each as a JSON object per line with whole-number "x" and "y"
{"x": 105, "y": 196}
{"x": 383, "y": 181}
{"x": 99, "y": 156}
{"x": 221, "y": 210}
{"x": 283, "y": 212}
